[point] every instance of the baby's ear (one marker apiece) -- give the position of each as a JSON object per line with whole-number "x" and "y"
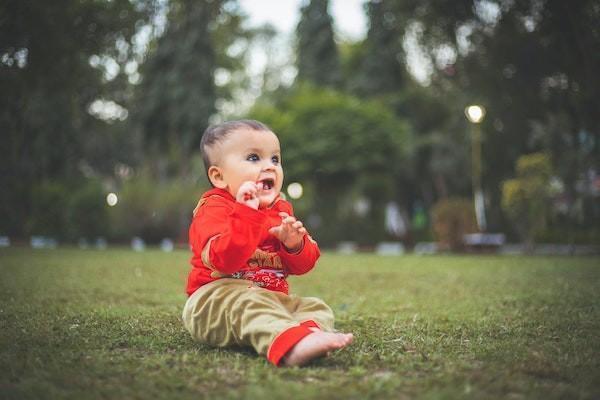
{"x": 216, "y": 177}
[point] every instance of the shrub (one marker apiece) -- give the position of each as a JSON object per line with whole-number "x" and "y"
{"x": 526, "y": 199}
{"x": 154, "y": 210}
{"x": 452, "y": 218}
{"x": 87, "y": 212}
{"x": 48, "y": 210}
{"x": 68, "y": 210}
{"x": 345, "y": 148}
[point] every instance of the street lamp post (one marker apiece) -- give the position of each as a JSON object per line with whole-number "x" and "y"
{"x": 475, "y": 115}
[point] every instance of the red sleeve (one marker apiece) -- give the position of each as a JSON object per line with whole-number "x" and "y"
{"x": 303, "y": 261}
{"x": 234, "y": 231}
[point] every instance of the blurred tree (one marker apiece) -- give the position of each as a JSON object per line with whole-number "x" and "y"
{"x": 317, "y": 54}
{"x": 532, "y": 64}
{"x": 278, "y": 59}
{"x": 382, "y": 69}
{"x": 440, "y": 161}
{"x": 345, "y": 151}
{"x": 55, "y": 60}
{"x": 178, "y": 93}
{"x": 376, "y": 68}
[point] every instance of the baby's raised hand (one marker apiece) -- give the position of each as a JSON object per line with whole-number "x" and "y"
{"x": 291, "y": 232}
{"x": 247, "y": 194}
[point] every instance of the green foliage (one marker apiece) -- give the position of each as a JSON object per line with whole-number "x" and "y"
{"x": 531, "y": 64}
{"x": 539, "y": 56}
{"x": 87, "y": 211}
{"x": 526, "y": 199}
{"x": 382, "y": 70}
{"x": 48, "y": 83}
{"x": 153, "y": 210}
{"x": 376, "y": 68}
{"x": 178, "y": 94}
{"x": 48, "y": 215}
{"x": 345, "y": 149}
{"x": 451, "y": 219}
{"x": 334, "y": 138}
{"x": 317, "y": 55}
{"x": 425, "y": 328}
{"x": 68, "y": 210}
{"x": 534, "y": 168}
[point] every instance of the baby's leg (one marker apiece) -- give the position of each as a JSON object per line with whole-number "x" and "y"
{"x": 314, "y": 313}
{"x": 228, "y": 312}
{"x": 314, "y": 310}
{"x": 314, "y": 345}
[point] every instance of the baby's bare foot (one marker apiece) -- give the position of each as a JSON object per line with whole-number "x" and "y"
{"x": 315, "y": 345}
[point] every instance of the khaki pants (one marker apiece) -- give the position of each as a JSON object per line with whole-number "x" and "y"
{"x": 230, "y": 312}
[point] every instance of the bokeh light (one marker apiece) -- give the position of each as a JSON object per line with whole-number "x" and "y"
{"x": 475, "y": 113}
{"x": 295, "y": 190}
{"x": 112, "y": 199}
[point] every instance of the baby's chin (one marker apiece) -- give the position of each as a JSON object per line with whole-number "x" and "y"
{"x": 265, "y": 200}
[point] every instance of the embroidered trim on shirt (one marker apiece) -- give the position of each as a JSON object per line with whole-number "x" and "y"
{"x": 201, "y": 202}
{"x": 205, "y": 255}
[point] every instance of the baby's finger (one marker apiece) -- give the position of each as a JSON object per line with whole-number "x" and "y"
{"x": 297, "y": 225}
{"x": 302, "y": 230}
{"x": 247, "y": 188}
{"x": 289, "y": 220}
{"x": 283, "y": 214}
{"x": 249, "y": 185}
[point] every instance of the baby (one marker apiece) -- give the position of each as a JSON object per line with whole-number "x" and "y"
{"x": 245, "y": 242}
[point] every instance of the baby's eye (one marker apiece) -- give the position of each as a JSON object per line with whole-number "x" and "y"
{"x": 252, "y": 157}
{"x": 275, "y": 159}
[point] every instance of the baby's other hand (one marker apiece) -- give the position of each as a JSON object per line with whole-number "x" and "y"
{"x": 291, "y": 232}
{"x": 247, "y": 194}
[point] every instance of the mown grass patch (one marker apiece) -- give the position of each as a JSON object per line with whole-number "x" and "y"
{"x": 106, "y": 324}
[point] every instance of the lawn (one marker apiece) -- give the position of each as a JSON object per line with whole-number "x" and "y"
{"x": 106, "y": 324}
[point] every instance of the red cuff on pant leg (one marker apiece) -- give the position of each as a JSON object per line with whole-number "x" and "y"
{"x": 310, "y": 324}
{"x": 285, "y": 341}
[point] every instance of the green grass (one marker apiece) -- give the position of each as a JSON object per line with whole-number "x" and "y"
{"x": 106, "y": 324}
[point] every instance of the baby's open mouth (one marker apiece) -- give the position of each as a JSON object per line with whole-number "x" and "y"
{"x": 267, "y": 184}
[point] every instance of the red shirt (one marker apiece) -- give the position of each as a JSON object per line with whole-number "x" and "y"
{"x": 230, "y": 239}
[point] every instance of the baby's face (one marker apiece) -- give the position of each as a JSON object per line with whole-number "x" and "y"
{"x": 250, "y": 155}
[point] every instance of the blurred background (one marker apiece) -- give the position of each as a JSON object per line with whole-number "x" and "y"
{"x": 404, "y": 121}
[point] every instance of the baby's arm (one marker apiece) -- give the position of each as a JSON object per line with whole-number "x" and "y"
{"x": 299, "y": 252}
{"x": 225, "y": 234}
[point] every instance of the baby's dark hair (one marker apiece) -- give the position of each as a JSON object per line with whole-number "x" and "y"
{"x": 216, "y": 133}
